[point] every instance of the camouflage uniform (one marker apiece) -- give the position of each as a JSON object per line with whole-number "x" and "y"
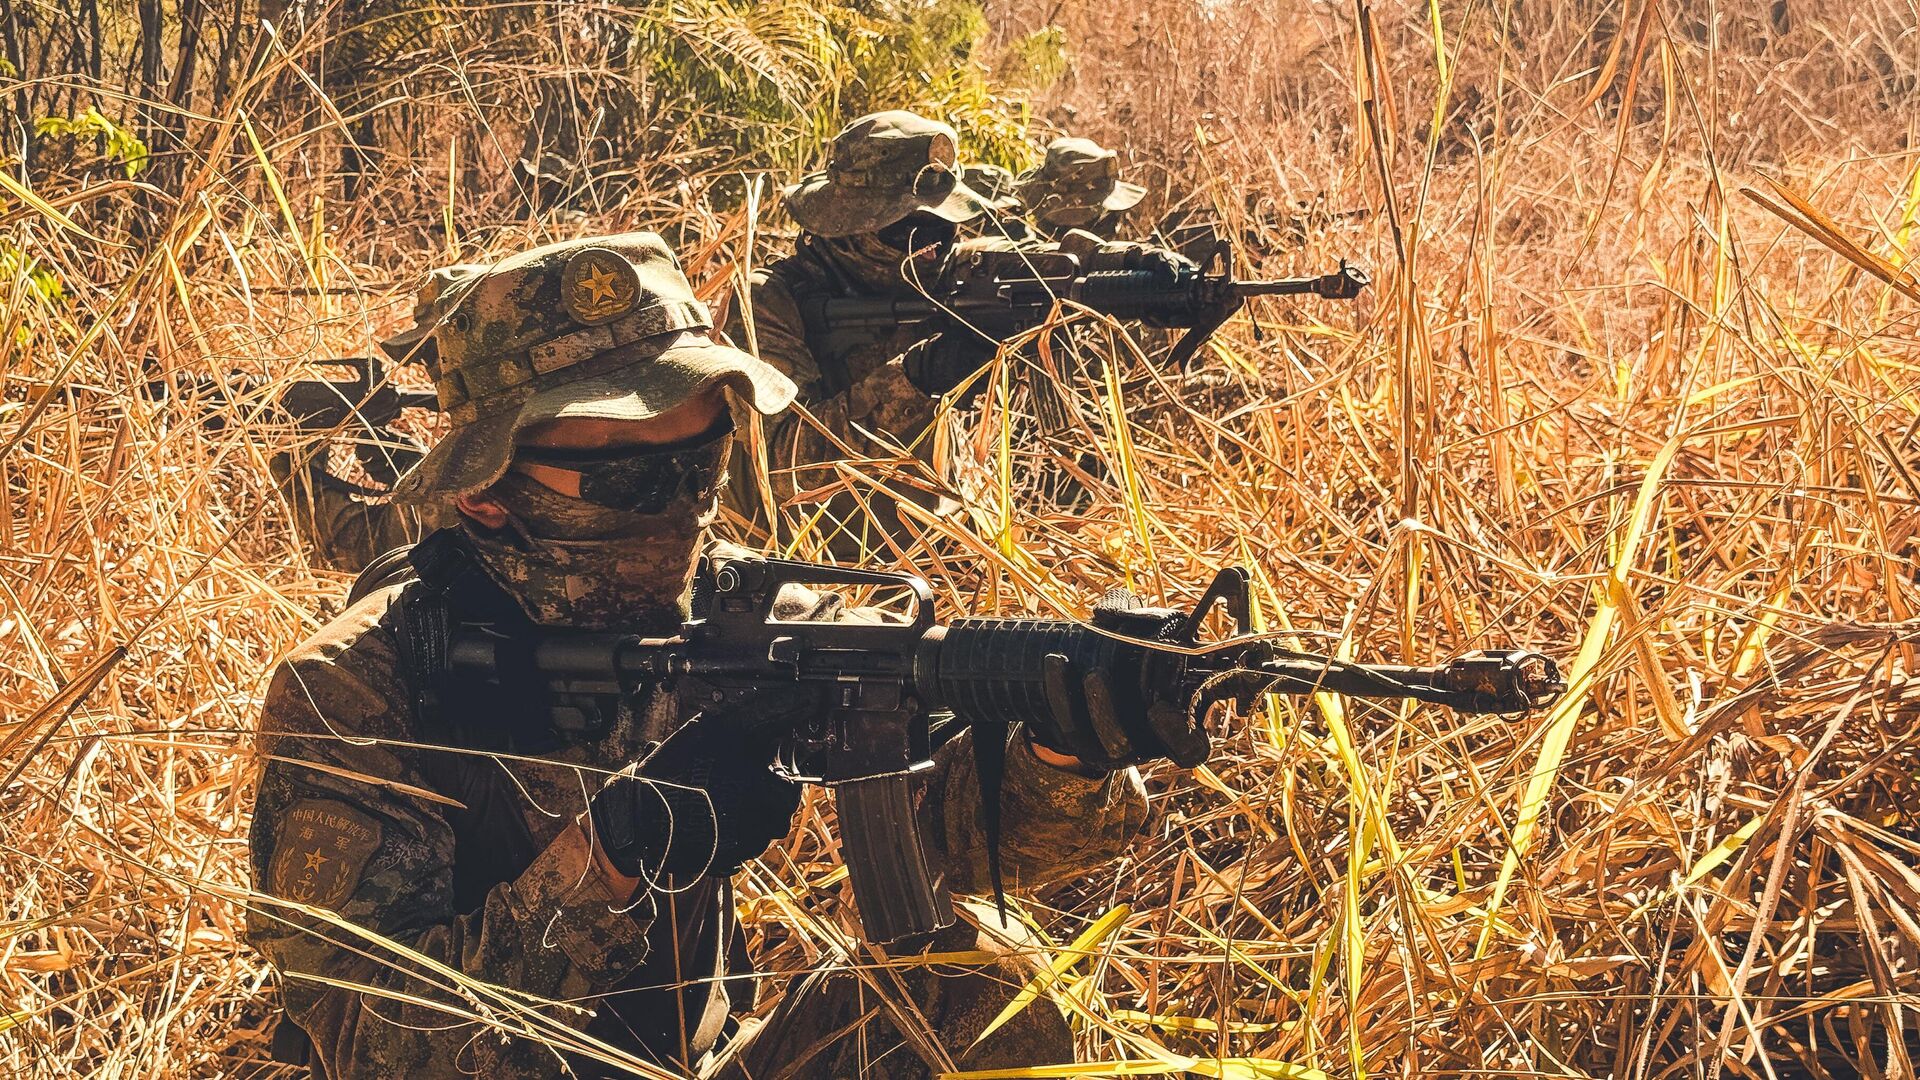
{"x": 343, "y": 528}
{"x": 442, "y": 839}
{"x": 883, "y": 168}
{"x": 1078, "y": 186}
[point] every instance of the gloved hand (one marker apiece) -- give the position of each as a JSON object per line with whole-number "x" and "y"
{"x": 295, "y": 474}
{"x": 387, "y": 454}
{"x": 706, "y": 800}
{"x": 937, "y": 364}
{"x": 1113, "y": 716}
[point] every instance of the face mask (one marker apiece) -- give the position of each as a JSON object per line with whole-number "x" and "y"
{"x": 879, "y": 260}
{"x": 571, "y": 563}
{"x": 917, "y": 233}
{"x": 1060, "y": 213}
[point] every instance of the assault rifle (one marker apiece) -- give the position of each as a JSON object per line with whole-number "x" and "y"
{"x": 1004, "y": 292}
{"x": 363, "y": 406}
{"x": 887, "y": 683}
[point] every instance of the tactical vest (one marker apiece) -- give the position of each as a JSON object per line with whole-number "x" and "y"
{"x": 832, "y": 346}
{"x": 442, "y": 590}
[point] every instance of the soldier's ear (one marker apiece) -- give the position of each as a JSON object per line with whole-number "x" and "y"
{"x": 483, "y": 509}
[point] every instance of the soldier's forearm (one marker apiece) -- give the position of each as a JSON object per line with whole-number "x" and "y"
{"x": 1057, "y": 820}
{"x": 558, "y": 931}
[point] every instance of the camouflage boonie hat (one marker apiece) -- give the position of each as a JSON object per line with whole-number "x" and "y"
{"x": 441, "y": 286}
{"x": 1077, "y": 183}
{"x": 884, "y": 167}
{"x": 993, "y": 183}
{"x": 603, "y": 328}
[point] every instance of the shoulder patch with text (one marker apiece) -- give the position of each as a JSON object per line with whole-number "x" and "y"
{"x": 323, "y": 846}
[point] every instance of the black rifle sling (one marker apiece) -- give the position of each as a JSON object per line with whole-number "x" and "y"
{"x": 990, "y": 737}
{"x": 452, "y": 590}
{"x": 472, "y": 720}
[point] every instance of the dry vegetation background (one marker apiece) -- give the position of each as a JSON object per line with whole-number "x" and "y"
{"x": 1605, "y": 401}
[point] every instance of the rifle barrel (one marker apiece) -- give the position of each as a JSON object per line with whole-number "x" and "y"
{"x": 1343, "y": 284}
{"x": 1478, "y": 682}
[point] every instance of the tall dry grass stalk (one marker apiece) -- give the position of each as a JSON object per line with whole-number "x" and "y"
{"x": 1636, "y": 386}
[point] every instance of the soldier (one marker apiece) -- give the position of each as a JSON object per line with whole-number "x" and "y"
{"x": 344, "y": 526}
{"x": 442, "y": 861}
{"x": 1078, "y": 186}
{"x": 879, "y": 220}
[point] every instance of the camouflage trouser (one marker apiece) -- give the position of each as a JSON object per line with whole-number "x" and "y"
{"x": 832, "y": 1025}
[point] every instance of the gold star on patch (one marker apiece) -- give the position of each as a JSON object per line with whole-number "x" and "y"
{"x": 315, "y": 860}
{"x": 598, "y": 286}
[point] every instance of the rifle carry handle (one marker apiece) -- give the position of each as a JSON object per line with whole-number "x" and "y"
{"x": 873, "y": 739}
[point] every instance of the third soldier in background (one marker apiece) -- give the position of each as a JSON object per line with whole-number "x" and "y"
{"x": 1078, "y": 186}
{"x": 1007, "y": 217}
{"x": 343, "y": 529}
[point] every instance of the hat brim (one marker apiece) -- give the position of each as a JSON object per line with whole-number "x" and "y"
{"x": 476, "y": 454}
{"x": 407, "y": 345}
{"x": 1124, "y": 196}
{"x": 824, "y": 208}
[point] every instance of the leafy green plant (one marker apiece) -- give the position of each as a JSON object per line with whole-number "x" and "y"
{"x": 117, "y": 145}
{"x": 42, "y": 287}
{"x": 769, "y": 81}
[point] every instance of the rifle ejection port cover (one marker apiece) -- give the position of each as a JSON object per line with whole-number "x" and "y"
{"x": 598, "y": 286}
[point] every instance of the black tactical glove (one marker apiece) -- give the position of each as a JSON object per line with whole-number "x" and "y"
{"x": 386, "y": 454}
{"x": 937, "y": 364}
{"x": 1111, "y": 716}
{"x": 298, "y": 475}
{"x": 706, "y": 800}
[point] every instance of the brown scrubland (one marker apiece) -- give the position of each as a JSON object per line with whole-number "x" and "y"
{"x": 1637, "y": 385}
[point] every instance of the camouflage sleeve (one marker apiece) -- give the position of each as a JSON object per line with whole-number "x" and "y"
{"x": 767, "y": 323}
{"x": 879, "y": 398}
{"x": 342, "y": 532}
{"x": 379, "y": 968}
{"x": 1055, "y": 824}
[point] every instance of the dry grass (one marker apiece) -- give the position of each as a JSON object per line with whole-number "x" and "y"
{"x": 1602, "y": 403}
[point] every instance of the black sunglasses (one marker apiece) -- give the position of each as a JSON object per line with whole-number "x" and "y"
{"x": 643, "y": 479}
